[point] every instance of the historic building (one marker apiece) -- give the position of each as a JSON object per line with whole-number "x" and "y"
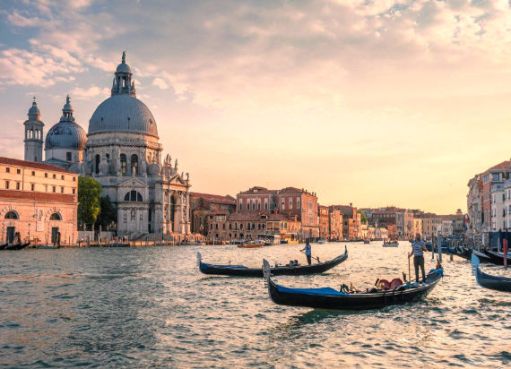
{"x": 122, "y": 151}
{"x": 205, "y": 205}
{"x": 38, "y": 203}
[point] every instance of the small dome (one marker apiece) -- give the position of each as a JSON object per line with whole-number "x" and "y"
{"x": 66, "y": 135}
{"x": 34, "y": 109}
{"x": 123, "y": 68}
{"x": 123, "y": 113}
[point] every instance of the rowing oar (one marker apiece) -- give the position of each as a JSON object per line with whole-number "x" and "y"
{"x": 409, "y": 269}
{"x": 315, "y": 258}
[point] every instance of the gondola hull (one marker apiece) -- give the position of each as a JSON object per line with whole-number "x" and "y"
{"x": 17, "y": 246}
{"x": 328, "y": 298}
{"x": 492, "y": 282}
{"x": 243, "y": 271}
{"x": 497, "y": 258}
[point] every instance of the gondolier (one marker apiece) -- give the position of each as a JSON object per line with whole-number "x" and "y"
{"x": 418, "y": 248}
{"x": 308, "y": 252}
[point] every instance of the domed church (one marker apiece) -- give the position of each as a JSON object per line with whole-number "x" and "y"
{"x": 122, "y": 151}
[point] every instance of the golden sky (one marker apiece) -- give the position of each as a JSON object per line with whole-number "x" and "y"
{"x": 370, "y": 102}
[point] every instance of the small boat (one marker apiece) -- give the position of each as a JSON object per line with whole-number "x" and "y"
{"x": 394, "y": 243}
{"x": 497, "y": 257}
{"x": 490, "y": 281}
{"x": 243, "y": 271}
{"x": 321, "y": 241}
{"x": 463, "y": 252}
{"x": 367, "y": 242}
{"x": 251, "y": 245}
{"x": 17, "y": 246}
{"x": 330, "y": 298}
{"x": 483, "y": 258}
{"x": 3, "y": 246}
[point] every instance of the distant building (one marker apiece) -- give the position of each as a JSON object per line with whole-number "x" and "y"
{"x": 335, "y": 224}
{"x": 38, "y": 203}
{"x": 203, "y": 205}
{"x": 351, "y": 221}
{"x": 324, "y": 222}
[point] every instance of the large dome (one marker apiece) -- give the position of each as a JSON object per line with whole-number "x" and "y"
{"x": 66, "y": 135}
{"x": 123, "y": 113}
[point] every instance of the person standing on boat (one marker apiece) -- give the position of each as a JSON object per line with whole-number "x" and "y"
{"x": 308, "y": 252}
{"x": 418, "y": 248}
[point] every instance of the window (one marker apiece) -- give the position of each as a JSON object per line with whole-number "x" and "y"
{"x": 33, "y": 173}
{"x": 133, "y": 196}
{"x": 8, "y": 170}
{"x": 54, "y": 188}
{"x": 55, "y": 216}
{"x": 11, "y": 215}
{"x": 18, "y": 171}
{"x": 32, "y": 187}
{"x": 62, "y": 177}
{"x": 54, "y": 176}
{"x": 45, "y": 175}
{"x": 74, "y": 179}
{"x": 18, "y": 185}
{"x": 124, "y": 165}
{"x": 74, "y": 191}
{"x": 134, "y": 165}
{"x": 69, "y": 156}
{"x": 61, "y": 189}
{"x": 6, "y": 185}
{"x": 96, "y": 167}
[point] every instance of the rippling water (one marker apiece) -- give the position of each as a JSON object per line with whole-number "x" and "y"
{"x": 151, "y": 308}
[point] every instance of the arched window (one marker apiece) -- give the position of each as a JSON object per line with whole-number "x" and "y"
{"x": 134, "y": 165}
{"x": 98, "y": 160}
{"x": 55, "y": 216}
{"x": 124, "y": 165}
{"x": 133, "y": 196}
{"x": 11, "y": 215}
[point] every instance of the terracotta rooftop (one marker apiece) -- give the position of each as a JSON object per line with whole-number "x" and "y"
{"x": 258, "y": 217}
{"x": 227, "y": 199}
{"x": 31, "y": 164}
{"x": 38, "y": 196}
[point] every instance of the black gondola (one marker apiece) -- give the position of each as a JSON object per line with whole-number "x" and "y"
{"x": 490, "y": 281}
{"x": 329, "y": 298}
{"x": 463, "y": 252}
{"x": 483, "y": 258}
{"x": 497, "y": 257}
{"x": 3, "y": 246}
{"x": 17, "y": 246}
{"x": 243, "y": 271}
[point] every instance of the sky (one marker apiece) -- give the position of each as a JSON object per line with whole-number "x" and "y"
{"x": 367, "y": 102}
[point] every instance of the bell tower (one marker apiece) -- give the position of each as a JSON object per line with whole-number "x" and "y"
{"x": 34, "y": 134}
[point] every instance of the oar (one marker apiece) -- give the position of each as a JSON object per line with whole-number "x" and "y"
{"x": 409, "y": 269}
{"x": 315, "y": 258}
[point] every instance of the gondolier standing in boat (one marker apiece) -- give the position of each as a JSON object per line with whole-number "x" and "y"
{"x": 308, "y": 252}
{"x": 418, "y": 248}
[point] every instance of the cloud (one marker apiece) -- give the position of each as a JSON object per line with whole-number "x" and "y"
{"x": 89, "y": 93}
{"x": 160, "y": 83}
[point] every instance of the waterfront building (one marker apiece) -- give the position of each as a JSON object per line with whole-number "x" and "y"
{"x": 498, "y": 211}
{"x": 324, "y": 221}
{"x": 399, "y": 222}
{"x": 121, "y": 150}
{"x": 335, "y": 224}
{"x": 204, "y": 205}
{"x": 351, "y": 221}
{"x": 474, "y": 206}
{"x": 38, "y": 203}
{"x": 417, "y": 226}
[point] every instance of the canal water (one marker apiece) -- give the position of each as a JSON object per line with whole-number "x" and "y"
{"x": 151, "y": 308}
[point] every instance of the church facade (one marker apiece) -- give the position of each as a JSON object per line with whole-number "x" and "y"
{"x": 121, "y": 150}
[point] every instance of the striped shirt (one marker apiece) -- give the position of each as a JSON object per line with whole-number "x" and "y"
{"x": 308, "y": 251}
{"x": 417, "y": 247}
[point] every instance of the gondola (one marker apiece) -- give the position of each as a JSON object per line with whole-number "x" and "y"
{"x": 17, "y": 246}
{"x": 394, "y": 243}
{"x": 497, "y": 257}
{"x": 490, "y": 281}
{"x": 483, "y": 258}
{"x": 3, "y": 246}
{"x": 463, "y": 252}
{"x": 243, "y": 271}
{"x": 329, "y": 298}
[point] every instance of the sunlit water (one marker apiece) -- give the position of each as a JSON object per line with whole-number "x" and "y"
{"x": 151, "y": 308}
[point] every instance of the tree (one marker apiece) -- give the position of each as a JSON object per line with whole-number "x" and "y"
{"x": 363, "y": 218}
{"x": 108, "y": 215}
{"x": 89, "y": 205}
